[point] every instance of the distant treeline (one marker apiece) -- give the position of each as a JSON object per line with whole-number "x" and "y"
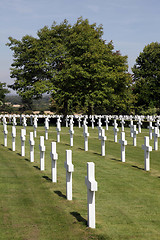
{"x": 38, "y": 105}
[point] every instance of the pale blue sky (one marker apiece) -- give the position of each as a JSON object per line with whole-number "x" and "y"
{"x": 130, "y": 24}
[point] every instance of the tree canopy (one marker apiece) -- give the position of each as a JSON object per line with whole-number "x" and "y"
{"x": 147, "y": 77}
{"x": 74, "y": 64}
{"x": 3, "y": 92}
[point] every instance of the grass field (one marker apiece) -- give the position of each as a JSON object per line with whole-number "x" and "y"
{"x": 127, "y": 200}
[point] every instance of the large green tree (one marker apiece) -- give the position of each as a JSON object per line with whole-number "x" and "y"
{"x": 146, "y": 77}
{"x": 81, "y": 70}
{"x": 27, "y": 70}
{"x": 3, "y": 92}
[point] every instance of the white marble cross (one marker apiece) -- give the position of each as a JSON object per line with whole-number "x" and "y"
{"x": 13, "y": 138}
{"x": 58, "y": 129}
{"x": 69, "y": 169}
{"x": 107, "y": 122}
{"x": 32, "y": 143}
{"x": 99, "y": 128}
{"x": 123, "y": 143}
{"x": 46, "y": 127}
{"x": 139, "y": 123}
{"x": 155, "y": 135}
{"x": 158, "y": 125}
{"x": 122, "y": 124}
{"x": 35, "y": 125}
{"x": 23, "y": 138}
{"x": 54, "y": 158}
{"x": 85, "y": 120}
{"x": 115, "y": 129}
{"x": 131, "y": 128}
{"x": 71, "y": 131}
{"x": 146, "y": 149}
{"x": 5, "y": 134}
{"x": 79, "y": 121}
{"x": 4, "y": 120}
{"x": 86, "y": 135}
{"x": 42, "y": 153}
{"x": 14, "y": 121}
{"x": 67, "y": 119}
{"x": 103, "y": 139}
{"x": 92, "y": 187}
{"x": 150, "y": 127}
{"x": 92, "y": 121}
{"x": 24, "y": 123}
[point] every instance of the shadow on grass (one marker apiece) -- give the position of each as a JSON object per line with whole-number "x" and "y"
{"x": 67, "y": 144}
{"x": 79, "y": 217}
{"x": 99, "y": 154}
{"x": 26, "y": 159}
{"x": 137, "y": 167}
{"x": 60, "y": 194}
{"x": 18, "y": 154}
{"x": 2, "y": 145}
{"x": 114, "y": 159}
{"x": 81, "y": 148}
{"x": 10, "y": 149}
{"x": 36, "y": 167}
{"x": 47, "y": 178}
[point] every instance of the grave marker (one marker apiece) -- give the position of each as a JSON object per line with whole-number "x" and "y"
{"x": 158, "y": 125}
{"x": 32, "y": 143}
{"x": 139, "y": 123}
{"x": 155, "y": 135}
{"x": 67, "y": 119}
{"x": 150, "y": 127}
{"x": 46, "y": 127}
{"x": 69, "y": 169}
{"x": 5, "y": 134}
{"x": 146, "y": 149}
{"x": 122, "y": 124}
{"x": 123, "y": 143}
{"x": 13, "y": 138}
{"x": 24, "y": 124}
{"x": 92, "y": 187}
{"x": 107, "y": 122}
{"x": 103, "y": 139}
{"x": 54, "y": 158}
{"x": 42, "y": 153}
{"x": 35, "y": 120}
{"x": 79, "y": 121}
{"x": 86, "y": 135}
{"x": 71, "y": 131}
{"x": 115, "y": 129}
{"x": 92, "y": 121}
{"x": 58, "y": 129}
{"x": 99, "y": 128}
{"x": 131, "y": 128}
{"x": 23, "y": 138}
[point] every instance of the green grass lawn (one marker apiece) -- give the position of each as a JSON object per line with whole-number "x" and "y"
{"x": 127, "y": 200}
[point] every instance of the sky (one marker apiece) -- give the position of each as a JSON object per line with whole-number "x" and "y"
{"x": 130, "y": 24}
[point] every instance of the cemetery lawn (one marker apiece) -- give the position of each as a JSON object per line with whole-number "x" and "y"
{"x": 127, "y": 200}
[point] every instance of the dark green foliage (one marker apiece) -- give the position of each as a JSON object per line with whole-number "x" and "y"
{"x": 74, "y": 63}
{"x": 88, "y": 74}
{"x": 147, "y": 78}
{"x": 3, "y": 92}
